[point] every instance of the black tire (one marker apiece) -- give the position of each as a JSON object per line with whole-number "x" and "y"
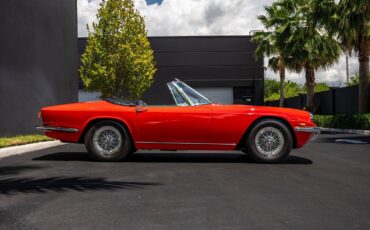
{"x": 121, "y": 148}
{"x": 275, "y": 130}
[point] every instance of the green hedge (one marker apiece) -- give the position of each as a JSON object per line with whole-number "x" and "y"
{"x": 343, "y": 121}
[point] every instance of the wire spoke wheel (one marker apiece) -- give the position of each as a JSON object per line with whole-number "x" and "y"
{"x": 107, "y": 140}
{"x": 269, "y": 141}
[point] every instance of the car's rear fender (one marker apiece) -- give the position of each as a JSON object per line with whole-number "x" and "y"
{"x": 91, "y": 122}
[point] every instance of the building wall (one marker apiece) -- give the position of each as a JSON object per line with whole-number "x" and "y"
{"x": 38, "y": 60}
{"x": 213, "y": 62}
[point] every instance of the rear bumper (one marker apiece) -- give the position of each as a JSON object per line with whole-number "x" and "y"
{"x": 57, "y": 129}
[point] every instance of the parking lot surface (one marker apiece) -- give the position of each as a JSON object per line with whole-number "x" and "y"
{"x": 324, "y": 185}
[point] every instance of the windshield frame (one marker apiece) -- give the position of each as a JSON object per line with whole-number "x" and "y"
{"x": 178, "y": 86}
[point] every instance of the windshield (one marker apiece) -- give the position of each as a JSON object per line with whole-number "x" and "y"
{"x": 177, "y": 96}
{"x": 185, "y": 95}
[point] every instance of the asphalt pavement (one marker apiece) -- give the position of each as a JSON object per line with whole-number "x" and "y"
{"x": 324, "y": 185}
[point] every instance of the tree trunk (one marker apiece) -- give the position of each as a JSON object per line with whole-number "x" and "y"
{"x": 363, "y": 59}
{"x": 282, "y": 81}
{"x": 310, "y": 84}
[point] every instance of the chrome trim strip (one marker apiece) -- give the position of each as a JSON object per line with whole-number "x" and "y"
{"x": 183, "y": 94}
{"x": 182, "y": 143}
{"x": 58, "y": 129}
{"x": 315, "y": 130}
{"x": 173, "y": 95}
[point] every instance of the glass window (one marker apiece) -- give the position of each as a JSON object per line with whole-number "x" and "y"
{"x": 180, "y": 101}
{"x": 195, "y": 97}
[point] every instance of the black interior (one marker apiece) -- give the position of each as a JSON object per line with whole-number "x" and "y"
{"x": 119, "y": 101}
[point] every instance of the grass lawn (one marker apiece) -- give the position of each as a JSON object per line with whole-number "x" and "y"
{"x": 22, "y": 139}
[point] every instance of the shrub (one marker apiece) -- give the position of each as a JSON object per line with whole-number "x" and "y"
{"x": 343, "y": 121}
{"x": 323, "y": 120}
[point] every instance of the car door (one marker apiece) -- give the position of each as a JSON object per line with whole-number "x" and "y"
{"x": 175, "y": 124}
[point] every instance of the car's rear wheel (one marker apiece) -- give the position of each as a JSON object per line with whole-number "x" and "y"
{"x": 108, "y": 141}
{"x": 269, "y": 141}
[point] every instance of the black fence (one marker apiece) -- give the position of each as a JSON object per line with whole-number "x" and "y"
{"x": 333, "y": 101}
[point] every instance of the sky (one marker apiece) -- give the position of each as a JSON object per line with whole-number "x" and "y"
{"x": 209, "y": 17}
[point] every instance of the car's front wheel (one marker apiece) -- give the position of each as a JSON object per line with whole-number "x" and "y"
{"x": 108, "y": 141}
{"x": 269, "y": 141}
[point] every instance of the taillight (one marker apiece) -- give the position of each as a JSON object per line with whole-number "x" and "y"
{"x": 39, "y": 115}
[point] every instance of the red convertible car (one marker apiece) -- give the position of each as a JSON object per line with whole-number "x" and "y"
{"x": 112, "y": 129}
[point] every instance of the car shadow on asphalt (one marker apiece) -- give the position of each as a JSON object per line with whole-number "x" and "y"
{"x": 162, "y": 157}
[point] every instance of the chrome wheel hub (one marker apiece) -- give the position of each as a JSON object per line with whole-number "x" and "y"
{"x": 269, "y": 141}
{"x": 107, "y": 140}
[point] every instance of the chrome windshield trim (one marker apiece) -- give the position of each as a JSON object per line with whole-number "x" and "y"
{"x": 315, "y": 130}
{"x": 180, "y": 92}
{"x": 183, "y": 94}
{"x": 183, "y": 143}
{"x": 58, "y": 129}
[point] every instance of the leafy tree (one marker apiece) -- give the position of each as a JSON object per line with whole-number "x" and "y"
{"x": 319, "y": 87}
{"x": 355, "y": 79}
{"x": 271, "y": 86}
{"x": 309, "y": 42}
{"x": 291, "y": 89}
{"x": 118, "y": 60}
{"x": 354, "y": 34}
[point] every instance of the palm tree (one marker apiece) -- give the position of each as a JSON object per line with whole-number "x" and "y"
{"x": 308, "y": 42}
{"x": 267, "y": 46}
{"x": 277, "y": 64}
{"x": 271, "y": 44}
{"x": 354, "y": 34}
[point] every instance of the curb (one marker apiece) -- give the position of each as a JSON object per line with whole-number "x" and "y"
{"x": 16, "y": 150}
{"x": 345, "y": 131}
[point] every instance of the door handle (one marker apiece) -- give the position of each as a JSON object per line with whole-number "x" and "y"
{"x": 141, "y": 110}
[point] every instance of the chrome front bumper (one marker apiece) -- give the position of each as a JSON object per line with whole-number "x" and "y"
{"x": 58, "y": 129}
{"x": 314, "y": 130}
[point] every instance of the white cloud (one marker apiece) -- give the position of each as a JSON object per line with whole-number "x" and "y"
{"x": 211, "y": 17}
{"x": 86, "y": 10}
{"x": 187, "y": 17}
{"x": 337, "y": 73}
{"x": 200, "y": 17}
{"x": 333, "y": 76}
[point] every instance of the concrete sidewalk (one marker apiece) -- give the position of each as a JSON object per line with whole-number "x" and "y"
{"x": 16, "y": 150}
